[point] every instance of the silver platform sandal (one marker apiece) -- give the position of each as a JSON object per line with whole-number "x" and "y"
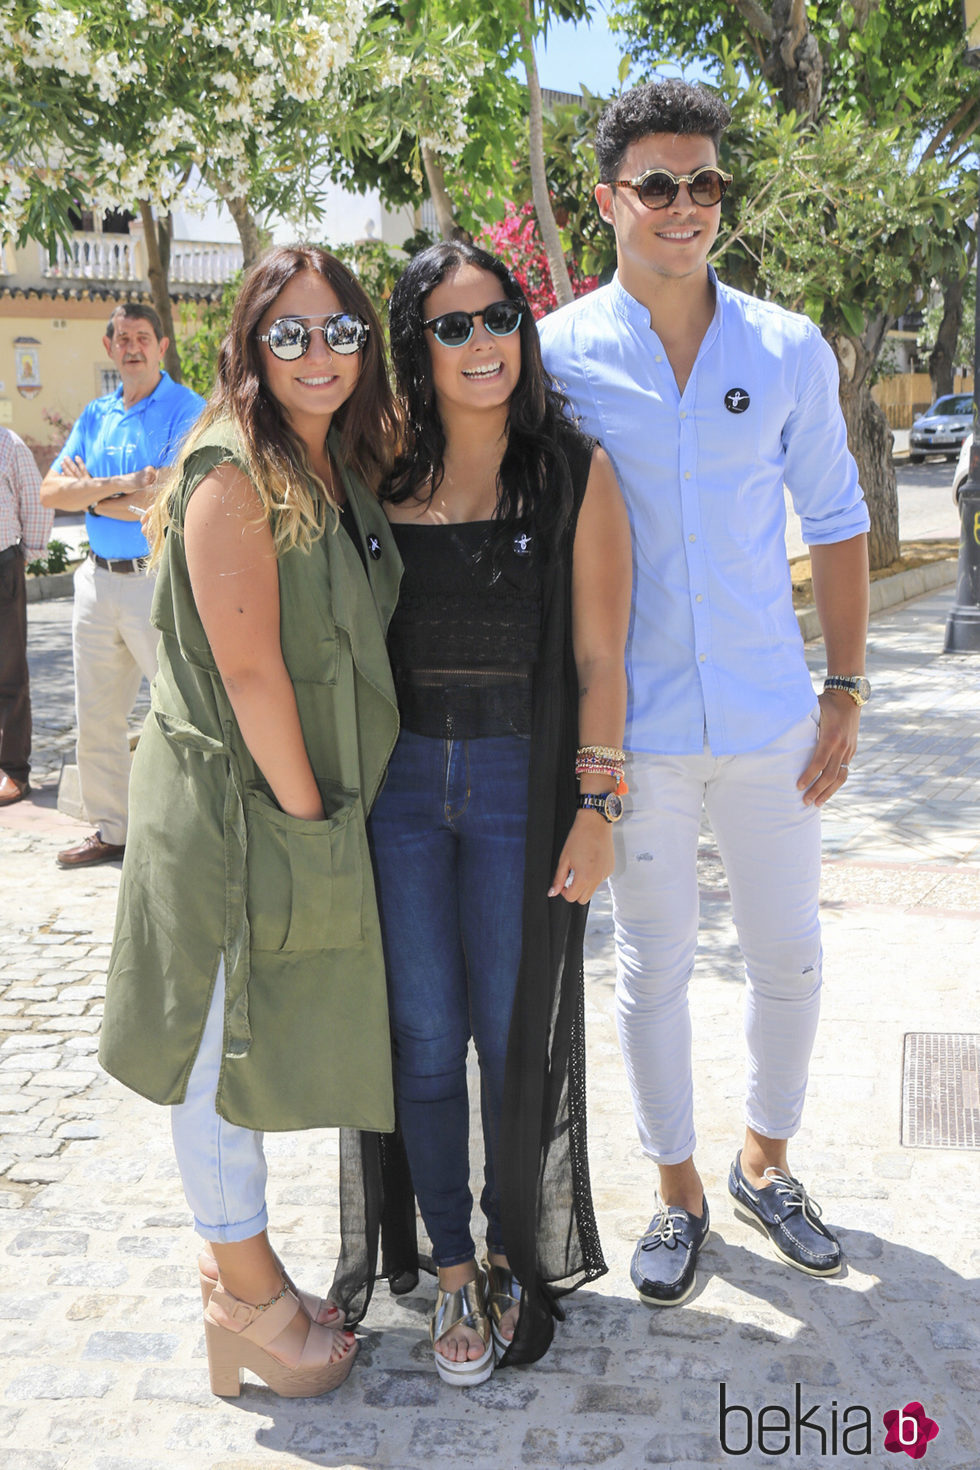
{"x": 466, "y": 1305}
{"x": 503, "y": 1294}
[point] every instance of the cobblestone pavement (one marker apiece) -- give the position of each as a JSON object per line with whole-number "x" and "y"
{"x": 101, "y": 1348}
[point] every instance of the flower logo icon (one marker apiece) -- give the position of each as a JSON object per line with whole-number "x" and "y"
{"x": 909, "y": 1429}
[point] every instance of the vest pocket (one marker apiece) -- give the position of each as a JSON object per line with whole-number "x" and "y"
{"x": 305, "y": 880}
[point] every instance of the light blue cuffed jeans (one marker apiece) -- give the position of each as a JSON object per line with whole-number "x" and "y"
{"x": 222, "y": 1167}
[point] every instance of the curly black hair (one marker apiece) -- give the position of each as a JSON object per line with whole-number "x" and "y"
{"x": 670, "y": 106}
{"x": 534, "y": 484}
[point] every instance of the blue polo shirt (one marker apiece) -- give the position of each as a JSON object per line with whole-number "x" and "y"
{"x": 114, "y": 440}
{"x": 715, "y": 648}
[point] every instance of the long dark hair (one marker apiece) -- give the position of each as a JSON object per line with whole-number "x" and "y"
{"x": 533, "y": 483}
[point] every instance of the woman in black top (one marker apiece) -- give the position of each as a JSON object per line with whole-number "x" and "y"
{"x": 507, "y": 648}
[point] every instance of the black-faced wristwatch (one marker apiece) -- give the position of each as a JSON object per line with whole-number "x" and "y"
{"x": 856, "y": 685}
{"x": 609, "y": 806}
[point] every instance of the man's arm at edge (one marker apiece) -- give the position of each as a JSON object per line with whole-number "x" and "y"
{"x": 839, "y": 571}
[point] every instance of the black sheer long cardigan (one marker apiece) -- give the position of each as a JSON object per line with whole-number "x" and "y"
{"x": 549, "y": 1228}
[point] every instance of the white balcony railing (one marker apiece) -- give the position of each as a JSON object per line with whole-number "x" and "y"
{"x": 90, "y": 257}
{"x": 193, "y": 264}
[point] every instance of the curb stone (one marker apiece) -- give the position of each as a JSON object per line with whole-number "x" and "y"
{"x": 44, "y": 588}
{"x": 890, "y": 591}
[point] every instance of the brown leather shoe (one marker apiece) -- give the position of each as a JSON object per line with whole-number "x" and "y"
{"x": 11, "y": 790}
{"x": 92, "y": 850}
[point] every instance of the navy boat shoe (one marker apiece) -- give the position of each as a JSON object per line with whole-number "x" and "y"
{"x": 666, "y": 1255}
{"x": 790, "y": 1218}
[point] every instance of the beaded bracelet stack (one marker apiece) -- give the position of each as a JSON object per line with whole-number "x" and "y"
{"x": 602, "y": 760}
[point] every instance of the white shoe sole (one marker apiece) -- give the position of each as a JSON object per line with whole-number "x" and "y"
{"x": 652, "y": 1301}
{"x": 744, "y": 1213}
{"x": 466, "y": 1374}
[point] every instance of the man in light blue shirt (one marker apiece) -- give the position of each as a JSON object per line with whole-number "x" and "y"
{"x": 110, "y": 466}
{"x": 708, "y": 401}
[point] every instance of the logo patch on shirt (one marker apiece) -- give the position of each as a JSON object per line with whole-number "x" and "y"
{"x": 737, "y": 400}
{"x": 374, "y": 548}
{"x": 522, "y": 544}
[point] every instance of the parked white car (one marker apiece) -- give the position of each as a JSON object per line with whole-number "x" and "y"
{"x": 962, "y": 468}
{"x": 943, "y": 428}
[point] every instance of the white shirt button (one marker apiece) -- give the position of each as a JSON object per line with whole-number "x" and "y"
{"x": 687, "y": 474}
{"x": 702, "y": 657}
{"x": 683, "y": 413}
{"x": 692, "y": 537}
{"x": 699, "y": 598}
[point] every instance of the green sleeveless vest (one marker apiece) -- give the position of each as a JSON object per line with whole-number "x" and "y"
{"x": 213, "y": 866}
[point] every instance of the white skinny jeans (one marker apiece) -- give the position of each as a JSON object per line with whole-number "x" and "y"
{"x": 222, "y": 1166}
{"x": 770, "y": 845}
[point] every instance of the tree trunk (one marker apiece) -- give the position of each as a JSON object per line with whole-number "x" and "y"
{"x": 436, "y": 179}
{"x": 156, "y": 239}
{"x": 870, "y": 441}
{"x": 547, "y": 224}
{"x": 794, "y": 66}
{"x": 942, "y": 356}
{"x": 249, "y": 233}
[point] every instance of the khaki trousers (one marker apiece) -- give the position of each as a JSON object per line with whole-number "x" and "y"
{"x": 114, "y": 646}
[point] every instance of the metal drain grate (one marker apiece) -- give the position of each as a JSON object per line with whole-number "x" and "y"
{"x": 941, "y": 1090}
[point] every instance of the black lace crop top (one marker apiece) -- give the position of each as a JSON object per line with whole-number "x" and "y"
{"x": 464, "y": 637}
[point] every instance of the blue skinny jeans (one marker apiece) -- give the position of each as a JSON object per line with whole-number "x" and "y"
{"x": 448, "y": 833}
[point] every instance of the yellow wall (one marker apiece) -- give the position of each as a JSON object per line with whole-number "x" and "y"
{"x": 906, "y": 395}
{"x": 70, "y": 352}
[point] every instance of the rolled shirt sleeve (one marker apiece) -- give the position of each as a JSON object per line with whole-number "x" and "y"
{"x": 819, "y": 471}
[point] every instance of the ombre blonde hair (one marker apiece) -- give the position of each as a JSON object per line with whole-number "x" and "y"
{"x": 293, "y": 498}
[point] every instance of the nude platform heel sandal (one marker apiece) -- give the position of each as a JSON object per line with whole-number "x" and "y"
{"x": 256, "y": 1330}
{"x": 321, "y": 1309}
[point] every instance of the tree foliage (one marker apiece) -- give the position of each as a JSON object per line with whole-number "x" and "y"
{"x": 108, "y": 105}
{"x": 113, "y": 103}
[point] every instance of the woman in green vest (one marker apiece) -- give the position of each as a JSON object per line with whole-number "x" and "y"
{"x": 246, "y": 986}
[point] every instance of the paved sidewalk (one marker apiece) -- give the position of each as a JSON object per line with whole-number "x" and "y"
{"x": 101, "y": 1349}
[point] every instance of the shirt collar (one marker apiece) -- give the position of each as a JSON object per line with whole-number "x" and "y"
{"x": 638, "y": 315}
{"x": 143, "y": 402}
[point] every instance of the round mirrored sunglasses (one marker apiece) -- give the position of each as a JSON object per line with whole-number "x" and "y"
{"x": 658, "y": 187}
{"x": 289, "y": 338}
{"x": 455, "y": 328}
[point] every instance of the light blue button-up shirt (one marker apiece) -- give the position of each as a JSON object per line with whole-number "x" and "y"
{"x": 115, "y": 440}
{"x": 715, "y": 648}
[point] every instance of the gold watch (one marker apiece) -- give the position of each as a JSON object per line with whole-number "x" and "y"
{"x": 856, "y": 685}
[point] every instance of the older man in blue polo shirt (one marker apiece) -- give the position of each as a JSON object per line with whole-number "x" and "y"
{"x": 708, "y": 401}
{"x": 110, "y": 466}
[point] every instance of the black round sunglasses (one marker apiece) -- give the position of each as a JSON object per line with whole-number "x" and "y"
{"x": 455, "y": 328}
